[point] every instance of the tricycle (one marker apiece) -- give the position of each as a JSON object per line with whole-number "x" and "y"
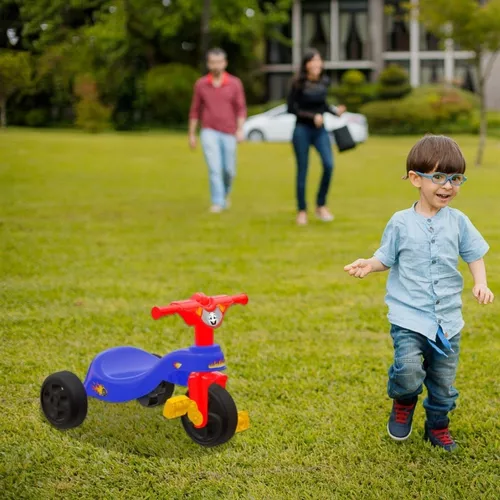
{"x": 207, "y": 411}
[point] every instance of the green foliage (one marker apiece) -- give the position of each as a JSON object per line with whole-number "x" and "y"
{"x": 91, "y": 114}
{"x": 15, "y": 74}
{"x": 39, "y": 117}
{"x": 472, "y": 24}
{"x": 169, "y": 89}
{"x": 96, "y": 230}
{"x": 433, "y": 108}
{"x": 393, "y": 83}
{"x": 353, "y": 91}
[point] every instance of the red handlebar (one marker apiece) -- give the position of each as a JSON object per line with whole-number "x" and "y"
{"x": 196, "y": 301}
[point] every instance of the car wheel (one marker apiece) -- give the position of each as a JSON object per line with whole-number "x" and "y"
{"x": 255, "y": 136}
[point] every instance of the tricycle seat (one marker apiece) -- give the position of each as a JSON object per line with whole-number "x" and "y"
{"x": 121, "y": 363}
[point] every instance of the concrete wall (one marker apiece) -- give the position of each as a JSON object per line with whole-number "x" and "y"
{"x": 493, "y": 84}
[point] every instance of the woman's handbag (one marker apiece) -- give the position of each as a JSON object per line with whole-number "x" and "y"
{"x": 343, "y": 139}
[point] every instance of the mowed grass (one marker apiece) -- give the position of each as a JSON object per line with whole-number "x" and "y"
{"x": 95, "y": 230}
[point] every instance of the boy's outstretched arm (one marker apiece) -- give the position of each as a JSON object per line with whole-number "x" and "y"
{"x": 362, "y": 267}
{"x": 481, "y": 291}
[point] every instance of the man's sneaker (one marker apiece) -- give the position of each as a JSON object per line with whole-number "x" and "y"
{"x": 440, "y": 436}
{"x": 399, "y": 425}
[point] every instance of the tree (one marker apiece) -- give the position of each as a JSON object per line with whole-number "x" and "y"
{"x": 475, "y": 26}
{"x": 15, "y": 74}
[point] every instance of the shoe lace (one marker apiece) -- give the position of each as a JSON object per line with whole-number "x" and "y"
{"x": 443, "y": 436}
{"x": 402, "y": 412}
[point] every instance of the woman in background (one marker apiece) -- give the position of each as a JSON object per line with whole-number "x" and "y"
{"x": 307, "y": 100}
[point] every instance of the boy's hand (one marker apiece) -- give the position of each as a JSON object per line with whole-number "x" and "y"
{"x": 483, "y": 294}
{"x": 359, "y": 268}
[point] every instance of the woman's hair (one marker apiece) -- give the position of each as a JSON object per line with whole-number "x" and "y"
{"x": 301, "y": 76}
{"x": 435, "y": 153}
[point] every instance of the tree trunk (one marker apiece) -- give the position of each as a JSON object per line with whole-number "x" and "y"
{"x": 3, "y": 113}
{"x": 483, "y": 122}
{"x": 205, "y": 33}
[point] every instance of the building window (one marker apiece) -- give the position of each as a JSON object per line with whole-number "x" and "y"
{"x": 431, "y": 72}
{"x": 316, "y": 27}
{"x": 277, "y": 52}
{"x": 396, "y": 25}
{"x": 428, "y": 41}
{"x": 353, "y": 30}
{"x": 278, "y": 85}
{"x": 465, "y": 75}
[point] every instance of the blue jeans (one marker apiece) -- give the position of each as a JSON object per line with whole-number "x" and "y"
{"x": 437, "y": 372}
{"x": 220, "y": 154}
{"x": 305, "y": 136}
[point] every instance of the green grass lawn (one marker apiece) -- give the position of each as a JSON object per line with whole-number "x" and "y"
{"x": 95, "y": 230}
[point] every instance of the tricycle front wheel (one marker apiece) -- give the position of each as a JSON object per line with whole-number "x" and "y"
{"x": 222, "y": 419}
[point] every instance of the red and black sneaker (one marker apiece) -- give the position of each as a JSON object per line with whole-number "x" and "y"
{"x": 440, "y": 436}
{"x": 399, "y": 425}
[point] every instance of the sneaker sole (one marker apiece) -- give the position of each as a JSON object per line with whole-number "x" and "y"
{"x": 399, "y": 438}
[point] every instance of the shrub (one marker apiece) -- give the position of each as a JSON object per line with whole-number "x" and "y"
{"x": 353, "y": 91}
{"x": 39, "y": 117}
{"x": 169, "y": 89}
{"x": 435, "y": 109}
{"x": 92, "y": 116}
{"x": 393, "y": 83}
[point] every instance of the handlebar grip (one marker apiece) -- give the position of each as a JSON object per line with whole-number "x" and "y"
{"x": 159, "y": 312}
{"x": 241, "y": 298}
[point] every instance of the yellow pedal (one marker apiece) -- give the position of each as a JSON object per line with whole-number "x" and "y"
{"x": 180, "y": 405}
{"x": 243, "y": 421}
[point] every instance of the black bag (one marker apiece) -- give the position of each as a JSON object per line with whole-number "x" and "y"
{"x": 343, "y": 139}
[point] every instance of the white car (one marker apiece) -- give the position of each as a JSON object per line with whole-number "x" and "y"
{"x": 277, "y": 124}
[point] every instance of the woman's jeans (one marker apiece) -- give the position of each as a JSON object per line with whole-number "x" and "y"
{"x": 303, "y": 137}
{"x": 437, "y": 372}
{"x": 220, "y": 154}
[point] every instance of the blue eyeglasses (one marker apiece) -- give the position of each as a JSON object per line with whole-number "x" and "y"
{"x": 442, "y": 179}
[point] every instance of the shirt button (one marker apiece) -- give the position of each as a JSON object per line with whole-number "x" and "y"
{"x": 436, "y": 282}
{"x": 439, "y": 321}
{"x": 431, "y": 229}
{"x": 429, "y": 220}
{"x": 438, "y": 301}
{"x": 433, "y": 240}
{"x": 433, "y": 261}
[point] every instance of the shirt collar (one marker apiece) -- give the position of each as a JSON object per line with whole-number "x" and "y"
{"x": 225, "y": 78}
{"x": 434, "y": 217}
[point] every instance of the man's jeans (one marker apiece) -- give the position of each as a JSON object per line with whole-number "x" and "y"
{"x": 220, "y": 154}
{"x": 408, "y": 373}
{"x": 305, "y": 136}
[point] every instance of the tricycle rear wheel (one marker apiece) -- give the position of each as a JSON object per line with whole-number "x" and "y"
{"x": 222, "y": 419}
{"x": 157, "y": 396}
{"x": 63, "y": 400}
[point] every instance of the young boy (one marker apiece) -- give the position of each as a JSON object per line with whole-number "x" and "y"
{"x": 421, "y": 246}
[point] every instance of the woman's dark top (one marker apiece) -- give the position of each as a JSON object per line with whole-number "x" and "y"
{"x": 309, "y": 100}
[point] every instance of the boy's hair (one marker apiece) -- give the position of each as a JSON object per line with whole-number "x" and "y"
{"x": 435, "y": 153}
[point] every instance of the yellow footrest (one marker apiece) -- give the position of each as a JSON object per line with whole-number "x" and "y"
{"x": 243, "y": 421}
{"x": 180, "y": 405}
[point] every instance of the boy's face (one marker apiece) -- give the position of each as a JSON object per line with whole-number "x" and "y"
{"x": 436, "y": 196}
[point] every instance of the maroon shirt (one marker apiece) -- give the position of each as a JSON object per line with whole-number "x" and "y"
{"x": 218, "y": 107}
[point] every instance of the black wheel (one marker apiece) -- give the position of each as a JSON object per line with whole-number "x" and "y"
{"x": 255, "y": 136}
{"x": 222, "y": 419}
{"x": 157, "y": 396}
{"x": 63, "y": 400}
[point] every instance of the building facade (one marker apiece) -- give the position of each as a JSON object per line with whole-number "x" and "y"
{"x": 367, "y": 35}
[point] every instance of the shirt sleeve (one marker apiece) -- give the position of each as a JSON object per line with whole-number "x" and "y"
{"x": 194, "y": 112}
{"x": 388, "y": 251}
{"x": 240, "y": 103}
{"x": 472, "y": 246}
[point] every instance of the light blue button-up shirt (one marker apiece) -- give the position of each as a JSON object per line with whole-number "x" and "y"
{"x": 424, "y": 288}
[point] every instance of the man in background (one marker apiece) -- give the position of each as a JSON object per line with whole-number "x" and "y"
{"x": 219, "y": 106}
